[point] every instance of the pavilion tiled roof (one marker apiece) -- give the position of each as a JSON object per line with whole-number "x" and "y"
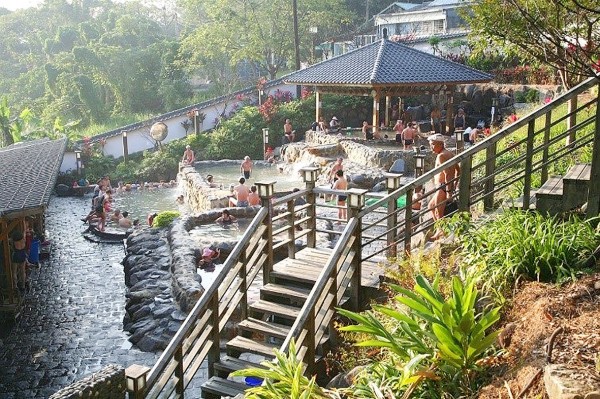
{"x": 29, "y": 172}
{"x": 385, "y": 63}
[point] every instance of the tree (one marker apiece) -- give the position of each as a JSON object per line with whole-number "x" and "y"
{"x": 563, "y": 34}
{"x": 257, "y": 31}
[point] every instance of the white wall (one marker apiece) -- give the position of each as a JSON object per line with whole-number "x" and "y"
{"x": 139, "y": 139}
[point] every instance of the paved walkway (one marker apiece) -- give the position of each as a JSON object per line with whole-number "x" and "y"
{"x": 71, "y": 324}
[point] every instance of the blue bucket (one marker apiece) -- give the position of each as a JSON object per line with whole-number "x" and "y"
{"x": 34, "y": 251}
{"x": 253, "y": 381}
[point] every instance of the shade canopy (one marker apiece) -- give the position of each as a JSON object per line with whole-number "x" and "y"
{"x": 388, "y": 67}
{"x": 29, "y": 172}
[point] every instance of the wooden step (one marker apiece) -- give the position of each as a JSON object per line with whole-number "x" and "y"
{"x": 217, "y": 387}
{"x": 576, "y": 184}
{"x": 276, "y": 309}
{"x": 549, "y": 197}
{"x": 239, "y": 345}
{"x": 268, "y": 329}
{"x": 227, "y": 364}
{"x": 517, "y": 203}
{"x": 287, "y": 292}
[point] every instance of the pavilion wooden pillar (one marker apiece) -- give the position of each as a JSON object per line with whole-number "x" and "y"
{"x": 318, "y": 105}
{"x": 450, "y": 111}
{"x": 375, "y": 123}
{"x": 388, "y": 108}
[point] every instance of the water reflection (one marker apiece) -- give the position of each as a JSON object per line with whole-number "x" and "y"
{"x": 143, "y": 202}
{"x": 229, "y": 173}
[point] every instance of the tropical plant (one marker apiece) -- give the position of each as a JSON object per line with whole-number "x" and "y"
{"x": 165, "y": 218}
{"x": 283, "y": 378}
{"x": 449, "y": 334}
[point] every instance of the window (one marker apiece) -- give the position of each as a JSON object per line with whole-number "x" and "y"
{"x": 438, "y": 26}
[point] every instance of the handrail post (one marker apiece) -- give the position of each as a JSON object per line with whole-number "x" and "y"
{"x": 593, "y": 208}
{"x": 291, "y": 218}
{"x": 311, "y": 344}
{"x": 392, "y": 181}
{"x": 408, "y": 216}
{"x": 490, "y": 169}
{"x": 356, "y": 200}
{"x": 309, "y": 174}
{"x": 545, "y": 151}
{"x": 528, "y": 164}
{"x": 179, "y": 374}
{"x": 265, "y": 192}
{"x": 214, "y": 353}
{"x": 243, "y": 275}
{"x": 464, "y": 187}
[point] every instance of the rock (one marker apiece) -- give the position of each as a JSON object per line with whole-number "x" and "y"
{"x": 151, "y": 344}
{"x": 563, "y": 381}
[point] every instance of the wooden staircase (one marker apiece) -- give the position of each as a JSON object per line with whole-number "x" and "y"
{"x": 560, "y": 194}
{"x": 269, "y": 320}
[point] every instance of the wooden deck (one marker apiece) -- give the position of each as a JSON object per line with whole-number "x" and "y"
{"x": 310, "y": 261}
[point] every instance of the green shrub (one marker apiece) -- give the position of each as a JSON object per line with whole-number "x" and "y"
{"x": 98, "y": 166}
{"x": 527, "y": 244}
{"x": 284, "y": 378}
{"x": 158, "y": 165}
{"x": 164, "y": 219}
{"x": 239, "y": 136}
{"x": 448, "y": 335}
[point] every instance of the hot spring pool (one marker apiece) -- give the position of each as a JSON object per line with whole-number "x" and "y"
{"x": 228, "y": 172}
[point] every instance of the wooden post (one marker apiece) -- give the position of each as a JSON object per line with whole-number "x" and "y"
{"x": 528, "y": 164}
{"x": 311, "y": 344}
{"x": 408, "y": 227}
{"x": 243, "y": 275}
{"x": 214, "y": 353}
{"x": 392, "y": 182}
{"x": 356, "y": 200}
{"x": 545, "y": 151}
{"x": 318, "y": 105}
{"x": 464, "y": 188}
{"x": 375, "y": 111}
{"x": 265, "y": 191}
{"x": 388, "y": 101}
{"x": 450, "y": 113}
{"x": 572, "y": 120}
{"x": 291, "y": 218}
{"x": 490, "y": 169}
{"x": 594, "y": 190}
{"x": 309, "y": 174}
{"x": 179, "y": 373}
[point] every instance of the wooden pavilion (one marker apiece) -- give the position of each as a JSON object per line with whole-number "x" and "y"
{"x": 385, "y": 69}
{"x": 29, "y": 173}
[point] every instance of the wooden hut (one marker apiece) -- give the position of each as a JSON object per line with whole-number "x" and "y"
{"x": 29, "y": 172}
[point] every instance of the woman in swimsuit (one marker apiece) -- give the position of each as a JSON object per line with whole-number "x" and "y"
{"x": 19, "y": 261}
{"x": 226, "y": 218}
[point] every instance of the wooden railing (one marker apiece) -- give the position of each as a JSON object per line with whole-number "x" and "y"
{"x": 384, "y": 228}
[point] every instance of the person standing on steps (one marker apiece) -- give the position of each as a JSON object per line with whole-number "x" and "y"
{"x": 445, "y": 181}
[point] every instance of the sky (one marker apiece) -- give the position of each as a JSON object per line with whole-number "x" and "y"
{"x": 14, "y": 4}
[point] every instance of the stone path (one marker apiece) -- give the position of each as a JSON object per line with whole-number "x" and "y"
{"x": 71, "y": 324}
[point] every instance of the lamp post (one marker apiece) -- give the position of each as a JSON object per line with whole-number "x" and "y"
{"x": 419, "y": 163}
{"x": 78, "y": 161}
{"x": 125, "y": 149}
{"x": 197, "y": 121}
{"x": 265, "y": 132}
{"x": 459, "y": 137}
{"x": 136, "y": 379}
{"x": 494, "y": 109}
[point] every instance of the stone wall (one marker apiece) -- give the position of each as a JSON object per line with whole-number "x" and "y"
{"x": 108, "y": 383}
{"x": 198, "y": 195}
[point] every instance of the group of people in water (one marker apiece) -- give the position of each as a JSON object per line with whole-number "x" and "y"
{"x": 102, "y": 211}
